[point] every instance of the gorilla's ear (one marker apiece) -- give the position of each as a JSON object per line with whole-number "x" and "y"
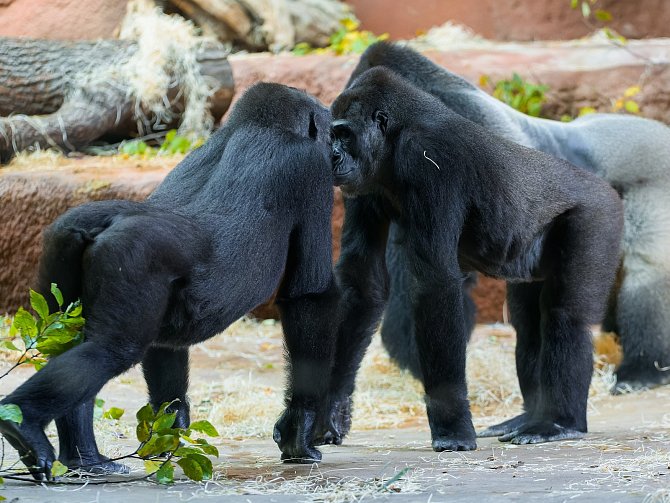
{"x": 313, "y": 131}
{"x": 381, "y": 119}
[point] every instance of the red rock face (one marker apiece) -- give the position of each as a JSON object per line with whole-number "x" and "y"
{"x": 511, "y": 19}
{"x": 61, "y": 19}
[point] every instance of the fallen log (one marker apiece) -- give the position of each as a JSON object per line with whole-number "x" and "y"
{"x": 65, "y": 95}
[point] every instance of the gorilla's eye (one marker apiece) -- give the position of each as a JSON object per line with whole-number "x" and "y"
{"x": 381, "y": 119}
{"x": 312, "y": 127}
{"x": 342, "y": 130}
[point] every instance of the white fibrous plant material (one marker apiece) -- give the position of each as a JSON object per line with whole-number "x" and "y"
{"x": 165, "y": 60}
{"x": 449, "y": 36}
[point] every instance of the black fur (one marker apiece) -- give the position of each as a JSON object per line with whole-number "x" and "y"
{"x": 245, "y": 214}
{"x": 463, "y": 200}
{"x": 631, "y": 153}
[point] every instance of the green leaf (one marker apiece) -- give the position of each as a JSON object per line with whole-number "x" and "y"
{"x": 158, "y": 445}
{"x": 142, "y": 431}
{"x": 57, "y": 294}
{"x": 146, "y": 413}
{"x": 573, "y": 4}
{"x": 165, "y": 475}
{"x": 205, "y": 465}
{"x": 151, "y": 466}
{"x": 39, "y": 304}
{"x": 586, "y": 9}
{"x": 603, "y": 15}
{"x": 192, "y": 468}
{"x": 113, "y": 413}
{"x": 11, "y": 412}
{"x": 632, "y": 107}
{"x": 74, "y": 309}
{"x": 204, "y": 427}
{"x": 98, "y": 405}
{"x": 24, "y": 324}
{"x": 182, "y": 452}
{"x": 206, "y": 447}
{"x": 165, "y": 421}
{"x": 58, "y": 469}
{"x": 7, "y": 344}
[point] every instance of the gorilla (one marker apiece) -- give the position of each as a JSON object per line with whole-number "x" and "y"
{"x": 247, "y": 213}
{"x": 464, "y": 199}
{"x": 632, "y": 154}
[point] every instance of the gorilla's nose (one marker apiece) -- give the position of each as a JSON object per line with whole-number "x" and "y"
{"x": 337, "y": 157}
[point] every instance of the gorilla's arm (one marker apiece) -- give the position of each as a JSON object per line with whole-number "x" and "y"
{"x": 363, "y": 280}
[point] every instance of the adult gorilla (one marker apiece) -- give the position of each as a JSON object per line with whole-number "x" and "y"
{"x": 246, "y": 213}
{"x": 465, "y": 199}
{"x": 631, "y": 153}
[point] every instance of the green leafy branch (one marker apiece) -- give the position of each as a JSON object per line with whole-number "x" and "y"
{"x": 172, "y": 144}
{"x": 162, "y": 446}
{"x": 521, "y": 95}
{"x": 47, "y": 335}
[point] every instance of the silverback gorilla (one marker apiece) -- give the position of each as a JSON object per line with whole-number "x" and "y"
{"x": 464, "y": 199}
{"x": 245, "y": 214}
{"x": 632, "y": 154}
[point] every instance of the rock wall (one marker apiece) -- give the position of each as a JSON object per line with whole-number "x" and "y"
{"x": 61, "y": 19}
{"x": 512, "y": 19}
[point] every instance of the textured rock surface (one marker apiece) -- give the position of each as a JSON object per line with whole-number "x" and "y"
{"x": 511, "y": 19}
{"x": 61, "y": 19}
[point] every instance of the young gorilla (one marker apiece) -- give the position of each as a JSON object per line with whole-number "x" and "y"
{"x": 465, "y": 199}
{"x": 631, "y": 153}
{"x": 244, "y": 214}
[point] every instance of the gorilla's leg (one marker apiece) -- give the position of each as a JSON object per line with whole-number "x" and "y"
{"x": 523, "y": 301}
{"x": 398, "y": 324}
{"x": 580, "y": 259}
{"x": 308, "y": 327}
{"x": 643, "y": 312}
{"x": 166, "y": 373}
{"x": 66, "y": 382}
{"x": 643, "y": 319}
{"x": 442, "y": 341}
{"x": 77, "y": 446}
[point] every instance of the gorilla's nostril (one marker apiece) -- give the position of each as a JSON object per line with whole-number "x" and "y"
{"x": 337, "y": 157}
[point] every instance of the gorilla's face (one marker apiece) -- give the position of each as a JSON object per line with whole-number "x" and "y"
{"x": 359, "y": 147}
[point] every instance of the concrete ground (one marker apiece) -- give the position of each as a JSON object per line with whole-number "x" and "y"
{"x": 625, "y": 457}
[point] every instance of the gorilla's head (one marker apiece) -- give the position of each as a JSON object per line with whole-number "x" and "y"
{"x": 274, "y": 105}
{"x": 364, "y": 128}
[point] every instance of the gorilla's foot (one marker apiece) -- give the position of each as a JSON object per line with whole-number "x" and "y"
{"x": 294, "y": 433}
{"x": 335, "y": 423}
{"x": 636, "y": 379}
{"x": 541, "y": 431}
{"x": 505, "y": 427}
{"x": 33, "y": 446}
{"x": 96, "y": 464}
{"x": 453, "y": 443}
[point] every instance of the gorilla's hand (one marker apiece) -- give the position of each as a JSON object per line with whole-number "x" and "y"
{"x": 294, "y": 434}
{"x": 335, "y": 423}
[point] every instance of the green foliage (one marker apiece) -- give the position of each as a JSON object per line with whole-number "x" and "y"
{"x": 348, "y": 39}
{"x": 113, "y": 413}
{"x": 172, "y": 144}
{"x": 48, "y": 334}
{"x": 523, "y": 96}
{"x": 161, "y": 445}
{"x": 58, "y": 469}
{"x": 11, "y": 412}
